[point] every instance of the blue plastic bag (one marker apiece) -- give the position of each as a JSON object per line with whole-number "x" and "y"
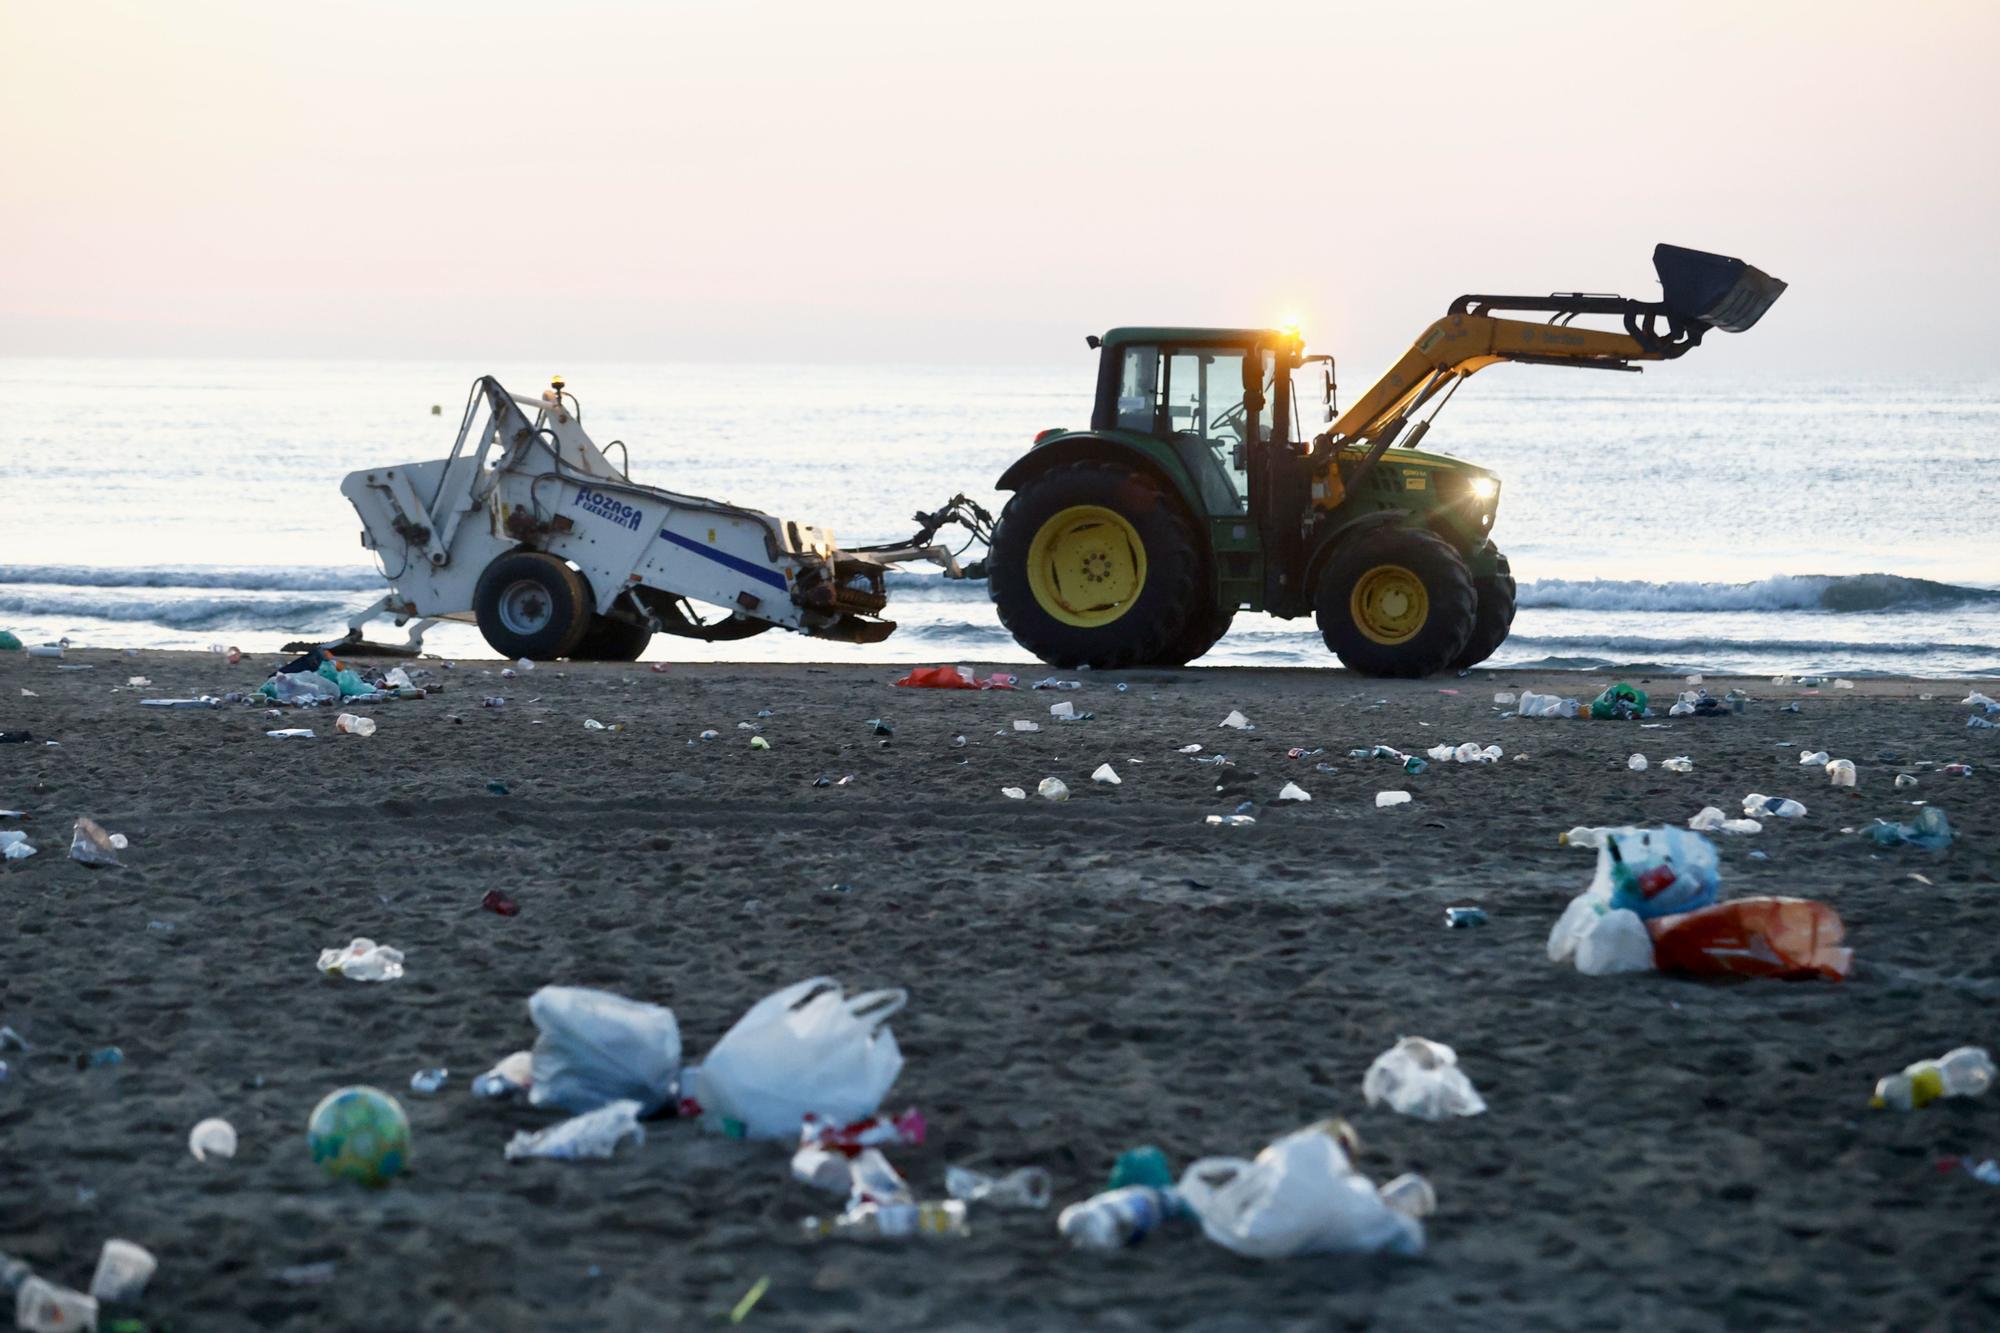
{"x": 1658, "y": 872}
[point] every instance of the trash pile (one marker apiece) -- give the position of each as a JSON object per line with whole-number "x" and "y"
{"x": 955, "y": 678}
{"x": 1652, "y": 904}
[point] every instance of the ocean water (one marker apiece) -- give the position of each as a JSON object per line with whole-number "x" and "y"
{"x": 1674, "y": 519}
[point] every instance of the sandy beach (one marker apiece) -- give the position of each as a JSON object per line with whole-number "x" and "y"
{"x": 1084, "y": 977}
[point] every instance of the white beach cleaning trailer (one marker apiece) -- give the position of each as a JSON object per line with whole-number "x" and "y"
{"x": 528, "y": 530}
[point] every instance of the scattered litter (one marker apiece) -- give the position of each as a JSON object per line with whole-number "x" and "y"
{"x": 1292, "y": 791}
{"x": 1237, "y": 721}
{"x": 953, "y": 678}
{"x": 1957, "y": 770}
{"x": 1814, "y": 758}
{"x": 1756, "y": 804}
{"x": 1471, "y": 752}
{"x": 1190, "y": 749}
{"x": 1841, "y": 772}
{"x": 1215, "y": 760}
{"x": 1965, "y": 1072}
{"x": 525, "y": 665}
{"x": 1384, "y": 799}
{"x": 1906, "y": 780}
{"x": 14, "y": 845}
{"x": 43, "y": 1307}
{"x": 214, "y": 1137}
{"x": 1052, "y": 789}
{"x": 1982, "y": 723}
{"x": 1022, "y": 725}
{"x": 1116, "y": 1219}
{"x": 1619, "y": 701}
{"x": 90, "y": 845}
{"x": 1930, "y": 831}
{"x": 499, "y": 903}
{"x": 1029, "y": 1187}
{"x": 710, "y": 734}
{"x": 428, "y": 1081}
{"x": 509, "y": 1080}
{"x": 1052, "y": 683}
{"x": 1504, "y": 697}
{"x": 1302, "y": 1195}
{"x": 1231, "y": 821}
{"x": 291, "y": 733}
{"x": 200, "y": 701}
{"x": 1107, "y": 775}
{"x": 594, "y": 1048}
{"x": 1637, "y": 763}
{"x": 1014, "y": 793}
{"x": 1421, "y": 1078}
{"x": 759, "y": 743}
{"x": 1709, "y": 819}
{"x": 594, "y": 1134}
{"x": 363, "y": 960}
{"x": 123, "y": 1270}
{"x": 741, "y": 1310}
{"x": 1545, "y": 705}
{"x": 809, "y": 1049}
{"x": 1839, "y": 684}
{"x": 105, "y": 1057}
{"x": 1458, "y": 918}
{"x": 890, "y": 1221}
{"x": 1063, "y": 710}
{"x": 1792, "y": 938}
{"x": 1678, "y": 764}
{"x": 353, "y": 725}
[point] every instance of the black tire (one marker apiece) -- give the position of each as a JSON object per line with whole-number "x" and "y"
{"x": 609, "y": 640}
{"x": 1168, "y": 596}
{"x": 1202, "y": 633}
{"x": 1444, "y": 624}
{"x": 532, "y": 605}
{"x": 1495, "y": 618}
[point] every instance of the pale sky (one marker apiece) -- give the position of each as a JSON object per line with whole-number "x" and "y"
{"x": 951, "y": 182}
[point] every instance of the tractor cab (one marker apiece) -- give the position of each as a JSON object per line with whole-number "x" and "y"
{"x": 1223, "y": 400}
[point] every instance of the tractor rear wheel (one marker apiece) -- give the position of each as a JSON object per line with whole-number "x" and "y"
{"x": 1096, "y": 565}
{"x": 1203, "y": 632}
{"x": 1496, "y": 612}
{"x": 1396, "y": 602}
{"x": 609, "y": 640}
{"x": 530, "y": 604}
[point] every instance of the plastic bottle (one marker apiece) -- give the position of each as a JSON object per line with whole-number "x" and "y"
{"x": 891, "y": 1221}
{"x": 43, "y": 1307}
{"x": 1117, "y": 1218}
{"x": 1028, "y": 1187}
{"x": 1757, "y": 804}
{"x": 1965, "y": 1072}
{"x": 354, "y": 724}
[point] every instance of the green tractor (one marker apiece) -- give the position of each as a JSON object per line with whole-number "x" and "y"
{"x": 1198, "y": 490}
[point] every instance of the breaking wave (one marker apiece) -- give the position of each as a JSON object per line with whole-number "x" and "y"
{"x": 1784, "y": 592}
{"x": 271, "y": 578}
{"x": 247, "y": 611}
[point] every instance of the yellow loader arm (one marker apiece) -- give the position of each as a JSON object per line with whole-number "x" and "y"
{"x": 1700, "y": 291}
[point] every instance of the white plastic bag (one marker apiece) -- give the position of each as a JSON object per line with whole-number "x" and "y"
{"x": 1421, "y": 1078}
{"x": 809, "y": 1049}
{"x": 595, "y": 1048}
{"x": 1301, "y": 1196}
{"x": 362, "y": 960}
{"x": 1616, "y": 942}
{"x": 593, "y": 1134}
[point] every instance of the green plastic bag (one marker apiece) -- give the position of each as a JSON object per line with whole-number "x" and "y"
{"x": 1621, "y": 701}
{"x": 349, "y": 682}
{"x": 8, "y": 643}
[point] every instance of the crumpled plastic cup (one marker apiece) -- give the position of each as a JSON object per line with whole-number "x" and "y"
{"x": 363, "y": 960}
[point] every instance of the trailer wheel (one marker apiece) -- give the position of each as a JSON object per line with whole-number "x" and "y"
{"x": 1496, "y": 613}
{"x": 1094, "y": 565}
{"x": 532, "y": 605}
{"x": 1396, "y": 602}
{"x": 609, "y": 640}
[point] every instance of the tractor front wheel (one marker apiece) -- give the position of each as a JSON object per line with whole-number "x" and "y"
{"x": 530, "y": 604}
{"x": 1396, "y": 602}
{"x": 1096, "y": 565}
{"x": 1496, "y": 612}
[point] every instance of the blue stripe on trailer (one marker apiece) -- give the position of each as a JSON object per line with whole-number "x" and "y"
{"x": 758, "y": 572}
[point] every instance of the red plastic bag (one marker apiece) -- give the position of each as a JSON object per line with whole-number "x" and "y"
{"x": 1754, "y": 937}
{"x": 951, "y": 678}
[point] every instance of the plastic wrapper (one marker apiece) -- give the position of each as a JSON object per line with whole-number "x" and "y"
{"x": 1757, "y": 937}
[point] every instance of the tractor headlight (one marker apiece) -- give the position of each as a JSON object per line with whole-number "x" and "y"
{"x": 1484, "y": 488}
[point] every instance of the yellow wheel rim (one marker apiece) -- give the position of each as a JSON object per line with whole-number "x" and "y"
{"x": 1086, "y": 566}
{"x": 1389, "y": 604}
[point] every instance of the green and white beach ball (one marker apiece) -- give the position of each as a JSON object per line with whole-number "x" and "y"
{"x": 359, "y": 1134}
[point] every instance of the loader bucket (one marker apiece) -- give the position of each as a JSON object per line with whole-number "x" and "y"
{"x": 1721, "y": 292}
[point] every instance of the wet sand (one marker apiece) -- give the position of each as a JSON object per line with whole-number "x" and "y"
{"x": 1084, "y": 977}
